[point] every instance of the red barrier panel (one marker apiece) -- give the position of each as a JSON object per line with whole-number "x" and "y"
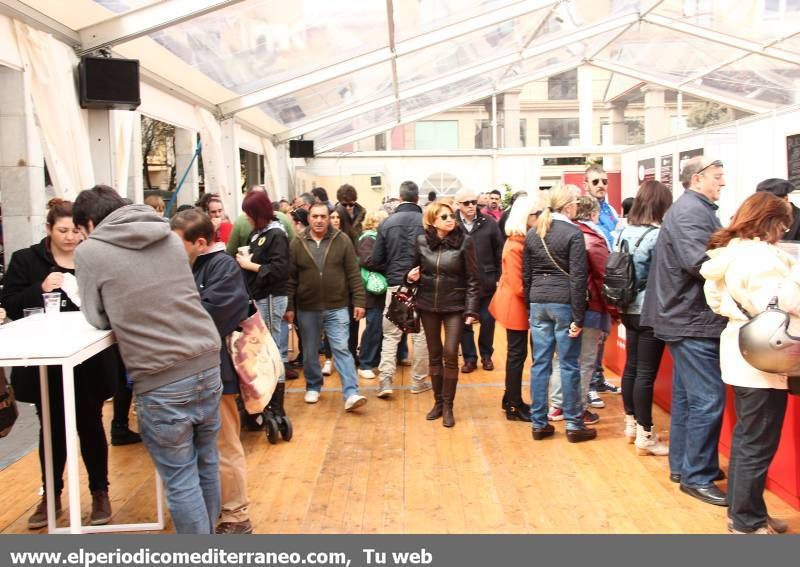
{"x": 784, "y": 475}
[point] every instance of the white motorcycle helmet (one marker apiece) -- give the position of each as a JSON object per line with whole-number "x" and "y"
{"x": 765, "y": 342}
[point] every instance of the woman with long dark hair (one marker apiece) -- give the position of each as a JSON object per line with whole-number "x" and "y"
{"x": 643, "y": 349}
{"x": 745, "y": 271}
{"x": 448, "y": 297}
{"x": 44, "y": 268}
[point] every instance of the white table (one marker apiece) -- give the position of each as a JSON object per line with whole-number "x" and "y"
{"x": 66, "y": 340}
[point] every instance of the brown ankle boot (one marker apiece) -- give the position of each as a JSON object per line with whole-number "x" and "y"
{"x": 101, "y": 508}
{"x": 39, "y": 517}
{"x": 436, "y": 412}
{"x": 448, "y": 395}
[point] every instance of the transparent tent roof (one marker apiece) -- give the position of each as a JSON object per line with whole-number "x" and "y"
{"x": 337, "y": 70}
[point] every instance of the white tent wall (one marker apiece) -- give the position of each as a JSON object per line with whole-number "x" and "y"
{"x": 473, "y": 172}
{"x": 752, "y": 149}
{"x": 9, "y": 53}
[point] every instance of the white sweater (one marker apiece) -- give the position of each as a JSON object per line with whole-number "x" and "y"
{"x": 752, "y": 272}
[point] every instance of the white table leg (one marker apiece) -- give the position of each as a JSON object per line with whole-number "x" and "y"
{"x": 47, "y": 435}
{"x": 71, "y": 433}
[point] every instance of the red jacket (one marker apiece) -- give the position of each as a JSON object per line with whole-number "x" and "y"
{"x": 509, "y": 306}
{"x": 597, "y": 256}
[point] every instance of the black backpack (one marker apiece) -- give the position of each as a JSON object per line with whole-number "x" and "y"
{"x": 619, "y": 284}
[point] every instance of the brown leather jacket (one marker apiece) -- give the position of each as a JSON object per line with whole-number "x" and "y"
{"x": 449, "y": 277}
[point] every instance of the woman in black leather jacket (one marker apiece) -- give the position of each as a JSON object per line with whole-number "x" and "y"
{"x": 448, "y": 295}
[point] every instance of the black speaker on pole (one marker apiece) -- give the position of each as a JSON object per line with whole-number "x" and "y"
{"x": 301, "y": 148}
{"x": 109, "y": 83}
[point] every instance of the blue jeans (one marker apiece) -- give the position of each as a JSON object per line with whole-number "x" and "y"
{"x": 272, "y": 309}
{"x": 485, "y": 336}
{"x": 550, "y": 331}
{"x": 179, "y": 424}
{"x": 698, "y": 402}
{"x": 369, "y": 352}
{"x": 336, "y": 324}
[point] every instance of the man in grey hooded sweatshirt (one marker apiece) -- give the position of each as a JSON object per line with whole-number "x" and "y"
{"x": 133, "y": 278}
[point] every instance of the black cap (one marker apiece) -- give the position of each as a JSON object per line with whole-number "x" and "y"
{"x": 778, "y": 187}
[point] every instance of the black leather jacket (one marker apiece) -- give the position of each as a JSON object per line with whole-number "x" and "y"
{"x": 449, "y": 276}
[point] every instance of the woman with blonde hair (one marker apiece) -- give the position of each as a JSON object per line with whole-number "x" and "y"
{"x": 156, "y": 202}
{"x": 554, "y": 277}
{"x": 369, "y": 351}
{"x": 448, "y": 297}
{"x": 509, "y": 306}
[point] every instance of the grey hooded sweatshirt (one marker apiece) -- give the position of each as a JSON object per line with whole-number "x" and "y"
{"x": 134, "y": 278}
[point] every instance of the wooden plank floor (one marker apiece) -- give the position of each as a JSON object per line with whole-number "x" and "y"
{"x": 385, "y": 469}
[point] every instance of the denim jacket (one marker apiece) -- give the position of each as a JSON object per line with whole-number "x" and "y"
{"x": 641, "y": 258}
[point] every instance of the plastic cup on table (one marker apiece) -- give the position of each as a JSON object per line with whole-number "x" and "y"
{"x": 52, "y": 302}
{"x": 31, "y": 311}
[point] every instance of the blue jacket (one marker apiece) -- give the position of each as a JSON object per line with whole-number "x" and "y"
{"x": 224, "y": 296}
{"x": 642, "y": 258}
{"x": 675, "y": 305}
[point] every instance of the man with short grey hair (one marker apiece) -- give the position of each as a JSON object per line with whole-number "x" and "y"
{"x": 675, "y": 306}
{"x": 393, "y": 255}
{"x": 488, "y": 246}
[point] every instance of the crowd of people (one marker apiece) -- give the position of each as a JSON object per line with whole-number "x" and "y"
{"x": 537, "y": 267}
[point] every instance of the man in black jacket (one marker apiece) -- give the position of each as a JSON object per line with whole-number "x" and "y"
{"x": 676, "y": 308}
{"x": 224, "y": 296}
{"x": 485, "y": 233}
{"x": 394, "y": 256}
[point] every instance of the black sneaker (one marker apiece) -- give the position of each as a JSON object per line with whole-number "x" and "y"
{"x": 607, "y": 387}
{"x": 124, "y": 436}
{"x": 590, "y": 418}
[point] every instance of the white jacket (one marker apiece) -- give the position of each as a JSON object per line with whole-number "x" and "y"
{"x": 752, "y": 272}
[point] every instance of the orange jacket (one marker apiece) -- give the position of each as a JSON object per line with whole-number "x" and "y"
{"x": 509, "y": 306}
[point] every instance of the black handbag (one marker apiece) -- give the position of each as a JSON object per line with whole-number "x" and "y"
{"x": 402, "y": 309}
{"x": 8, "y": 406}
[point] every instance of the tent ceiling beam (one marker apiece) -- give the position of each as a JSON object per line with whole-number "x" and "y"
{"x": 450, "y": 103}
{"x": 728, "y": 100}
{"x": 143, "y": 21}
{"x": 37, "y": 20}
{"x": 560, "y": 42}
{"x": 723, "y": 39}
{"x": 392, "y": 48}
{"x": 384, "y": 55}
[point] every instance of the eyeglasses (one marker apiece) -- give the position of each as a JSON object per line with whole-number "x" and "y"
{"x": 715, "y": 163}
{"x": 597, "y": 181}
{"x": 446, "y": 216}
{"x": 469, "y": 203}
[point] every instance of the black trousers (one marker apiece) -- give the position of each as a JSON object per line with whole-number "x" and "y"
{"x": 759, "y": 419}
{"x": 642, "y": 357}
{"x": 443, "y": 355}
{"x": 517, "y": 344}
{"x": 122, "y": 400}
{"x": 92, "y": 436}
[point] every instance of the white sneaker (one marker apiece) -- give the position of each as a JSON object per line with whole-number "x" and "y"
{"x": 594, "y": 400}
{"x": 385, "y": 388}
{"x": 354, "y": 401}
{"x": 327, "y": 368}
{"x": 312, "y": 396}
{"x": 368, "y": 374}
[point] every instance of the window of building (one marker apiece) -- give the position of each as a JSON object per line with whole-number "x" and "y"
{"x": 563, "y": 86}
{"x": 558, "y": 131}
{"x": 436, "y": 135}
{"x": 634, "y": 131}
{"x": 483, "y": 133}
{"x": 380, "y": 142}
{"x": 443, "y": 183}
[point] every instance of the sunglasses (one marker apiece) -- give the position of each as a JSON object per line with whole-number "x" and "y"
{"x": 446, "y": 216}
{"x": 469, "y": 203}
{"x": 597, "y": 181}
{"x": 715, "y": 163}
{"x": 348, "y": 205}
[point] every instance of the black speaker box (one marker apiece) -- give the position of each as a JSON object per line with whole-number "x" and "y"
{"x": 301, "y": 148}
{"x": 109, "y": 83}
